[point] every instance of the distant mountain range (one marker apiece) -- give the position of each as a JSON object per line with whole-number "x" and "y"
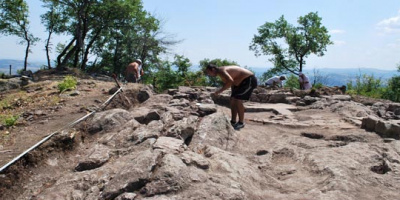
{"x": 341, "y": 76}
{"x": 18, "y": 65}
{"x": 330, "y": 76}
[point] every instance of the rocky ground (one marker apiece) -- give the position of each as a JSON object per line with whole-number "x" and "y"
{"x": 180, "y": 145}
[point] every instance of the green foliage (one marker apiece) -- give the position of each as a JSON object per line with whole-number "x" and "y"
{"x": 183, "y": 64}
{"x": 13, "y": 17}
{"x": 14, "y": 21}
{"x": 196, "y": 79}
{"x": 369, "y": 86}
{"x": 292, "y": 82}
{"x": 164, "y": 77}
{"x": 392, "y": 92}
{"x": 188, "y": 78}
{"x": 318, "y": 85}
{"x": 366, "y": 85}
{"x": 69, "y": 82}
{"x": 19, "y": 71}
{"x": 116, "y": 32}
{"x": 10, "y": 120}
{"x": 310, "y": 37}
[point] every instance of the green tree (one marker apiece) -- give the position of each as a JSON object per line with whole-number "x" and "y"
{"x": 14, "y": 21}
{"x": 133, "y": 33}
{"x": 188, "y": 78}
{"x": 366, "y": 85}
{"x": 165, "y": 77}
{"x": 392, "y": 91}
{"x": 55, "y": 22}
{"x": 310, "y": 37}
{"x": 183, "y": 64}
{"x": 115, "y": 32}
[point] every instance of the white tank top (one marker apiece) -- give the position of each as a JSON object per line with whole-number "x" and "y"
{"x": 139, "y": 70}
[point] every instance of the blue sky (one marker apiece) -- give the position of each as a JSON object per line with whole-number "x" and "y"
{"x": 366, "y": 33}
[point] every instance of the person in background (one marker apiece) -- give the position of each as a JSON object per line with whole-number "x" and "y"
{"x": 304, "y": 82}
{"x": 134, "y": 71}
{"x": 242, "y": 83}
{"x": 275, "y": 81}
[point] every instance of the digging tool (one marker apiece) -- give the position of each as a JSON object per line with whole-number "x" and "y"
{"x": 116, "y": 81}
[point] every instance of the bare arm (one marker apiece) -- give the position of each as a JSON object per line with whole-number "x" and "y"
{"x": 227, "y": 79}
{"x": 136, "y": 67}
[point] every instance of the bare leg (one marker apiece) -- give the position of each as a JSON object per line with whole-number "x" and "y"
{"x": 240, "y": 109}
{"x": 234, "y": 110}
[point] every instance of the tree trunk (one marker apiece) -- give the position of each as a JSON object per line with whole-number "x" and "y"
{"x": 48, "y": 49}
{"x": 88, "y": 47}
{"x": 68, "y": 57}
{"x": 26, "y": 55}
{"x": 301, "y": 64}
{"x": 27, "y": 49}
{"x": 59, "y": 62}
{"x": 82, "y": 30}
{"x": 78, "y": 44}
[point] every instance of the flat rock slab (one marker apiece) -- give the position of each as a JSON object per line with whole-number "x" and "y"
{"x": 277, "y": 108}
{"x": 169, "y": 145}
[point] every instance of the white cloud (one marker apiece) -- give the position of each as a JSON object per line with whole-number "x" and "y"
{"x": 390, "y": 25}
{"x": 337, "y": 31}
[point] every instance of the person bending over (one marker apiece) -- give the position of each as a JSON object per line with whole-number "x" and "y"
{"x": 304, "y": 82}
{"x": 242, "y": 83}
{"x": 275, "y": 81}
{"x": 134, "y": 71}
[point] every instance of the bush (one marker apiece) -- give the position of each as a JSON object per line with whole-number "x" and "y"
{"x": 10, "y": 120}
{"x": 318, "y": 85}
{"x": 392, "y": 92}
{"x": 366, "y": 85}
{"x": 292, "y": 82}
{"x": 19, "y": 71}
{"x": 69, "y": 82}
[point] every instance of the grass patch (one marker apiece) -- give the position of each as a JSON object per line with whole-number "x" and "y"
{"x": 69, "y": 82}
{"x": 15, "y": 100}
{"x": 9, "y": 120}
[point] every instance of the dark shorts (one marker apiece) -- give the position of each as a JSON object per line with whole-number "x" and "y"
{"x": 131, "y": 78}
{"x": 244, "y": 90}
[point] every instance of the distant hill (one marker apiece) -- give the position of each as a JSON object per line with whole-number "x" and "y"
{"x": 341, "y": 76}
{"x": 18, "y": 65}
